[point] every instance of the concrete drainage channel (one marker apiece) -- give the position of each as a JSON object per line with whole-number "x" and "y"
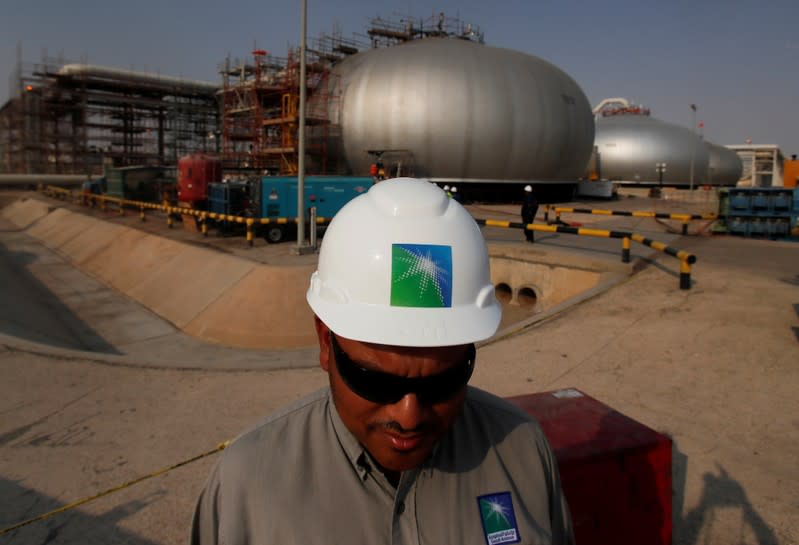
{"x": 220, "y": 304}
{"x": 533, "y": 282}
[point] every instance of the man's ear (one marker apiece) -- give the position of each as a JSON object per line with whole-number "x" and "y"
{"x": 323, "y": 336}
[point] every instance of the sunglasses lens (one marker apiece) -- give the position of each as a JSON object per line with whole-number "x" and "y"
{"x": 384, "y": 388}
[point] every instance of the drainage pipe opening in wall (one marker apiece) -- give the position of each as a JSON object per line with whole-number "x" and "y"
{"x": 527, "y": 298}
{"x": 504, "y": 293}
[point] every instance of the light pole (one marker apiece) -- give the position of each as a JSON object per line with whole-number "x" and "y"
{"x": 302, "y": 247}
{"x": 693, "y": 144}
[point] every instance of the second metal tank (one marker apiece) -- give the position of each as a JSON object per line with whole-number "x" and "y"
{"x": 724, "y": 165}
{"x": 631, "y": 144}
{"x": 464, "y": 110}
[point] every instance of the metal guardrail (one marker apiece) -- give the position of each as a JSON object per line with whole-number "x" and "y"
{"x": 171, "y": 211}
{"x": 686, "y": 259}
{"x": 685, "y": 218}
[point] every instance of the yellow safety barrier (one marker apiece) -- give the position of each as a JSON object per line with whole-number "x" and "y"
{"x": 170, "y": 211}
{"x": 67, "y": 507}
{"x": 685, "y": 218}
{"x": 686, "y": 259}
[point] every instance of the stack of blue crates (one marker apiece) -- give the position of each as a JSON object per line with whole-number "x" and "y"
{"x": 769, "y": 212}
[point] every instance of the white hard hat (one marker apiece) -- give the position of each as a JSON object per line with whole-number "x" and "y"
{"x": 454, "y": 189}
{"x": 405, "y": 265}
{"x": 446, "y": 188}
{"x": 528, "y": 188}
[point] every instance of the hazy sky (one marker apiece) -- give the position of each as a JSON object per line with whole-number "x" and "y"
{"x": 735, "y": 59}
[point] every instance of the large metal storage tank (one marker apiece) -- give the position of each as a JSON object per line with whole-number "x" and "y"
{"x": 464, "y": 110}
{"x": 630, "y": 145}
{"x": 725, "y": 167}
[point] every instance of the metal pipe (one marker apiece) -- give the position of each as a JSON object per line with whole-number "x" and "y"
{"x": 312, "y": 227}
{"x": 47, "y": 179}
{"x": 616, "y": 100}
{"x": 693, "y": 145}
{"x": 93, "y": 70}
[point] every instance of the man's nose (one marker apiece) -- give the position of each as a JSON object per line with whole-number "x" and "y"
{"x": 409, "y": 412}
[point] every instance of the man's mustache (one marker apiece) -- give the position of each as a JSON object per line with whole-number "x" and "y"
{"x": 394, "y": 426}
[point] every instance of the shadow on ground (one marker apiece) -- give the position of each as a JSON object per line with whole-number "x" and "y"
{"x": 720, "y": 492}
{"x": 29, "y": 310}
{"x": 18, "y": 503}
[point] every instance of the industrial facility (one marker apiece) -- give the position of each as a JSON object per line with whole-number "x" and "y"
{"x": 496, "y": 118}
{"x": 73, "y": 118}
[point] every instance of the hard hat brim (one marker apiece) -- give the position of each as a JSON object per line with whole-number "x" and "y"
{"x": 406, "y": 326}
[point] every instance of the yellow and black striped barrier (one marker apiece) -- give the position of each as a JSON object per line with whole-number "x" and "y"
{"x": 72, "y": 505}
{"x": 202, "y": 215}
{"x": 58, "y": 192}
{"x": 685, "y": 218}
{"x": 686, "y": 259}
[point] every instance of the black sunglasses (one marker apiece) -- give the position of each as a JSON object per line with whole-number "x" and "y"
{"x": 385, "y": 388}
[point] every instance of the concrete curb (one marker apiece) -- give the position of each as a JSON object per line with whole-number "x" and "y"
{"x": 257, "y": 361}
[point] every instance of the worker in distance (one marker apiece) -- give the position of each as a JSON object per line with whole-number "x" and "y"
{"x": 399, "y": 449}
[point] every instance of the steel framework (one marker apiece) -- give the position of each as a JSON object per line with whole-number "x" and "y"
{"x": 260, "y": 110}
{"x": 72, "y": 118}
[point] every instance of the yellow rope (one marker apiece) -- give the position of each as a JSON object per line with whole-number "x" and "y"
{"x": 74, "y": 504}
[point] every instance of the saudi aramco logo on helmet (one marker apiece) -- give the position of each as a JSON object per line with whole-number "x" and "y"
{"x": 421, "y": 275}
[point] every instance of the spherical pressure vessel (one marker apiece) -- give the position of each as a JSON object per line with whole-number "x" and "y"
{"x": 459, "y": 109}
{"x": 725, "y": 167}
{"x": 630, "y": 146}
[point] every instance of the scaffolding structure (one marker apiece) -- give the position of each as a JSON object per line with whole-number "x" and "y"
{"x": 260, "y": 109}
{"x": 387, "y": 32}
{"x": 66, "y": 118}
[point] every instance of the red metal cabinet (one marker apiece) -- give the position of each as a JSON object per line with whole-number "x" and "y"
{"x": 195, "y": 172}
{"x": 615, "y": 472}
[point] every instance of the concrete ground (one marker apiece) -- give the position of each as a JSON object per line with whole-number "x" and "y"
{"x": 715, "y": 367}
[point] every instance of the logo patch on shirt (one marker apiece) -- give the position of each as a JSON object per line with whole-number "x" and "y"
{"x": 421, "y": 275}
{"x": 499, "y": 520}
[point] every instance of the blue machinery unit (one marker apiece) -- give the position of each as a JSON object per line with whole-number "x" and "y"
{"x": 234, "y": 198}
{"x": 275, "y": 197}
{"x": 327, "y": 193}
{"x": 770, "y": 212}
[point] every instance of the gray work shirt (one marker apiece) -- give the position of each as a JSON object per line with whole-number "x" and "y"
{"x": 300, "y": 477}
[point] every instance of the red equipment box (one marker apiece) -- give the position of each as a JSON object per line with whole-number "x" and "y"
{"x": 195, "y": 172}
{"x": 615, "y": 472}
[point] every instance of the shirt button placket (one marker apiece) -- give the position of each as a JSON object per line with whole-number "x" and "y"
{"x": 405, "y": 530}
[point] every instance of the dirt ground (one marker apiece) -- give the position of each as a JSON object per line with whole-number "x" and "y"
{"x": 715, "y": 367}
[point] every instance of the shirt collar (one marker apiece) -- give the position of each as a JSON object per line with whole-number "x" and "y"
{"x": 349, "y": 443}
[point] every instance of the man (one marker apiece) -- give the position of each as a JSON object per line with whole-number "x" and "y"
{"x": 529, "y": 210}
{"x": 398, "y": 449}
